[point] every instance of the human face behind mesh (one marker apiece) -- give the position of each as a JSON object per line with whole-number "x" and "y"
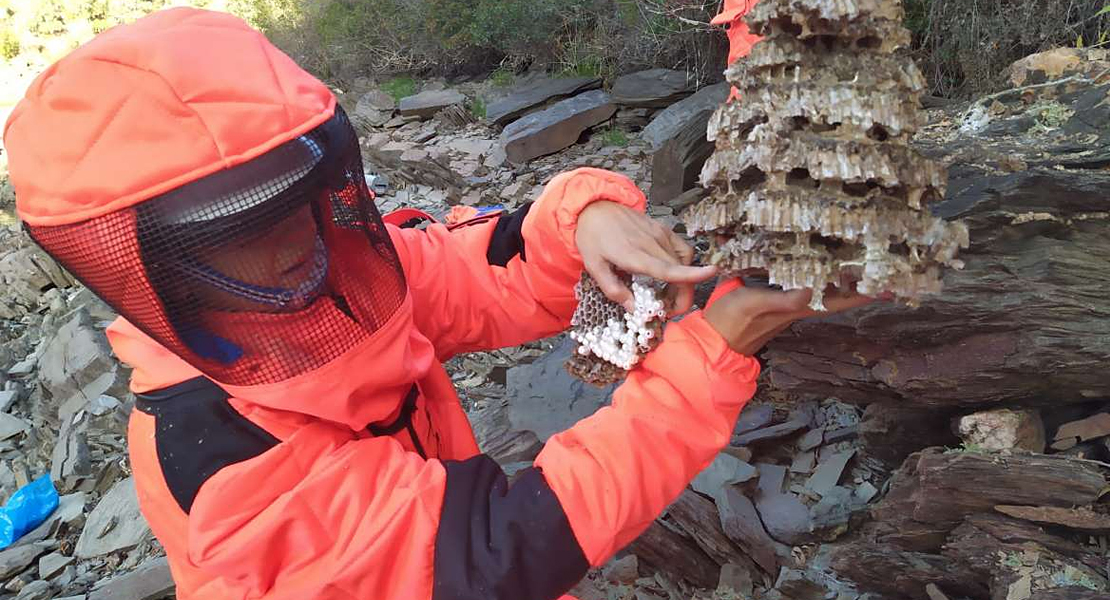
{"x": 283, "y": 257}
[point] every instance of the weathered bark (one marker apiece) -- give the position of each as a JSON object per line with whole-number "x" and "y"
{"x": 1009, "y": 566}
{"x": 902, "y": 574}
{"x": 1028, "y": 319}
{"x": 933, "y": 492}
{"x": 671, "y": 552}
{"x": 1069, "y": 593}
{"x": 698, "y": 517}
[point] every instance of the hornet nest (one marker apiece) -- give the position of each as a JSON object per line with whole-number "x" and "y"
{"x": 609, "y": 339}
{"x": 813, "y": 181}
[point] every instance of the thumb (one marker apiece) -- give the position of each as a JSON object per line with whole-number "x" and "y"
{"x": 610, "y": 284}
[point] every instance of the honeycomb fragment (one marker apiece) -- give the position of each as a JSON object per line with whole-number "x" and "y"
{"x": 610, "y": 341}
{"x": 813, "y": 181}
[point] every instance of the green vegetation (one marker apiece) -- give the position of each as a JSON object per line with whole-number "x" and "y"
{"x": 400, "y": 87}
{"x": 966, "y": 448}
{"x": 502, "y": 77}
{"x": 478, "y": 108}
{"x": 614, "y": 136}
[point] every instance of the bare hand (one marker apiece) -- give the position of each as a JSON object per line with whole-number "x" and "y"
{"x": 748, "y": 318}
{"x": 612, "y": 236}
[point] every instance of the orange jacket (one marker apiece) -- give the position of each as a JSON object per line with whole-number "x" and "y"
{"x": 740, "y": 38}
{"x": 360, "y": 479}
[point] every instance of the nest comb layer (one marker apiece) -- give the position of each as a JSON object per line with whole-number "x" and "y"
{"x": 813, "y": 180}
{"x": 609, "y": 340}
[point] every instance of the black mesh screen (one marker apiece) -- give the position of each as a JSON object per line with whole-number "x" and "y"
{"x": 254, "y": 274}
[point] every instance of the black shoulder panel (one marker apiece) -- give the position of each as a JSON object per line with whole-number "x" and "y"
{"x": 507, "y": 240}
{"x": 197, "y": 433}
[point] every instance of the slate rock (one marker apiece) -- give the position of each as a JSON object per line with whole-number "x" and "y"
{"x": 724, "y": 470}
{"x": 801, "y": 418}
{"x": 71, "y": 459}
{"x": 741, "y": 524}
{"x": 534, "y": 95}
{"x": 36, "y": 590}
{"x": 77, "y": 355}
{"x": 829, "y": 517}
{"x": 372, "y": 111}
{"x": 798, "y": 586}
{"x": 678, "y": 143}
{"x": 783, "y": 514}
{"x": 736, "y": 578}
{"x": 52, "y": 564}
{"x": 115, "y": 523}
{"x": 7, "y": 399}
{"x": 811, "y": 439}
{"x": 865, "y": 492}
{"x": 426, "y": 104}
{"x": 803, "y": 463}
{"x": 545, "y": 399}
{"x": 656, "y": 88}
{"x": 623, "y": 570}
{"x": 753, "y": 417}
{"x": 1092, "y": 427}
{"x": 150, "y": 581}
{"x": 555, "y": 128}
{"x": 828, "y": 473}
{"x": 11, "y": 426}
{"x": 17, "y": 558}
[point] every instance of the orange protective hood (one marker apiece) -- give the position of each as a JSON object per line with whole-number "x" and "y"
{"x": 365, "y": 385}
{"x": 147, "y": 107}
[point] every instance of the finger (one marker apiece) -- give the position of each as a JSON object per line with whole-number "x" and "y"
{"x": 610, "y": 285}
{"x": 671, "y": 272}
{"x": 842, "y": 303}
{"x": 684, "y": 251}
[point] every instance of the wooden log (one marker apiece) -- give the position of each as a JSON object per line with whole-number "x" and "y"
{"x": 901, "y": 574}
{"x": 1029, "y": 317}
{"x": 1012, "y": 568}
{"x": 1080, "y": 519}
{"x": 698, "y": 517}
{"x": 672, "y": 552}
{"x": 1016, "y": 531}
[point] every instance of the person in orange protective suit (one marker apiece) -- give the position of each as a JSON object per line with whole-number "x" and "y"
{"x": 740, "y": 38}
{"x": 294, "y": 435}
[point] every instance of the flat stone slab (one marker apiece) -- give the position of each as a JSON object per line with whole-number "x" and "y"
{"x": 557, "y": 127}
{"x": 694, "y": 109}
{"x": 15, "y": 559}
{"x": 656, "y": 88}
{"x": 52, "y": 564}
{"x": 11, "y": 426}
{"x": 526, "y": 98}
{"x": 741, "y": 524}
{"x": 150, "y": 581}
{"x": 724, "y": 470}
{"x": 828, "y": 473}
{"x": 753, "y": 417}
{"x": 545, "y": 399}
{"x": 115, "y": 523}
{"x": 427, "y": 104}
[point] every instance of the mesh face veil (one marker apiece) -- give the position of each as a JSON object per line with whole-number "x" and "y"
{"x": 254, "y": 274}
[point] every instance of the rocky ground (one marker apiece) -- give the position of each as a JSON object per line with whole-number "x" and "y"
{"x": 859, "y": 472}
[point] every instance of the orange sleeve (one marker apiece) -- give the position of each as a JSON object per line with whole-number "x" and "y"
{"x": 499, "y": 282}
{"x": 615, "y": 471}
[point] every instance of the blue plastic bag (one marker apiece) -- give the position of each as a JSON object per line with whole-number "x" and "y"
{"x": 27, "y": 509}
